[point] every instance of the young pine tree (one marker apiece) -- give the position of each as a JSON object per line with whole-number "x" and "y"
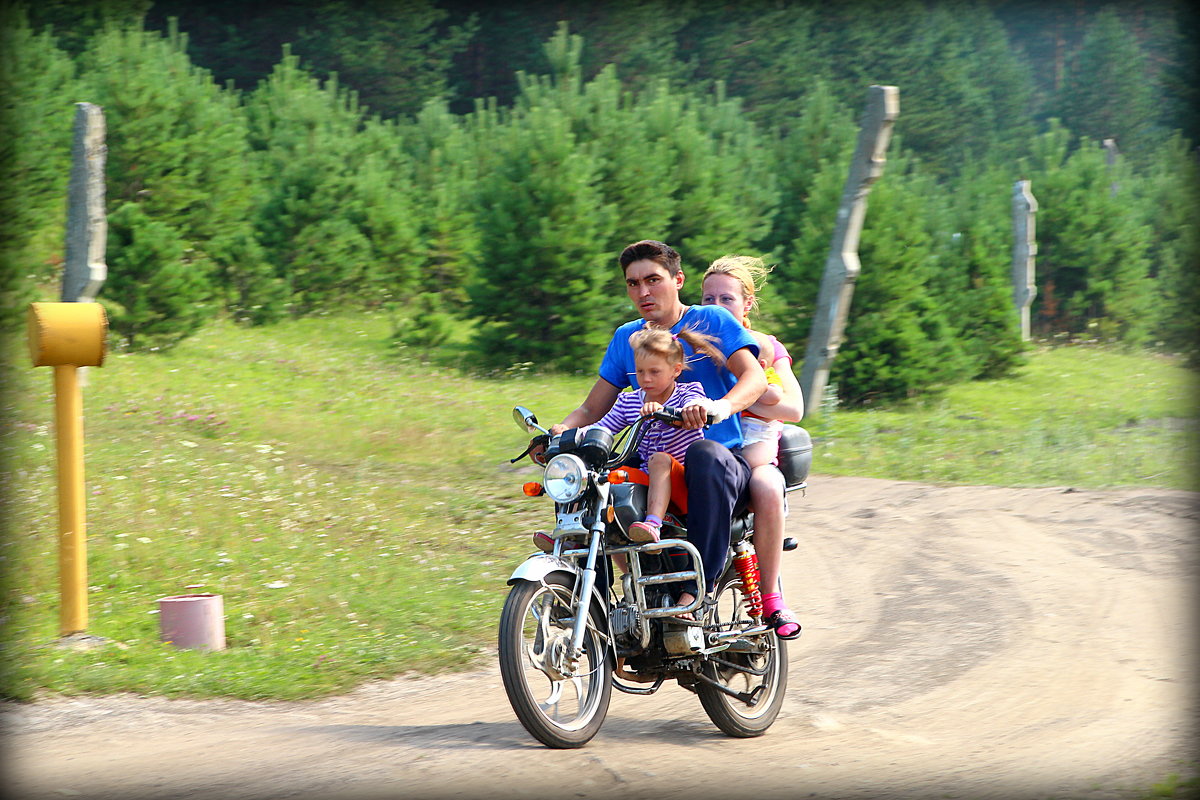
{"x": 545, "y": 257}
{"x": 177, "y": 149}
{"x": 1108, "y": 92}
{"x": 155, "y": 294}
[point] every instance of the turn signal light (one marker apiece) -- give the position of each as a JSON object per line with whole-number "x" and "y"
{"x": 618, "y": 476}
{"x": 532, "y": 489}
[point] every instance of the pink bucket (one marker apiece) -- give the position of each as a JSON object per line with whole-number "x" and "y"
{"x": 192, "y": 621}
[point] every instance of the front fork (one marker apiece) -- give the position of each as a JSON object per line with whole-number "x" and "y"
{"x": 587, "y": 579}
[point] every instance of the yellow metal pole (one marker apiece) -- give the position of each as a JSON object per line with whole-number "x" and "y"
{"x": 72, "y": 533}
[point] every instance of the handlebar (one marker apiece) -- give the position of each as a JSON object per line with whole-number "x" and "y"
{"x": 668, "y": 414}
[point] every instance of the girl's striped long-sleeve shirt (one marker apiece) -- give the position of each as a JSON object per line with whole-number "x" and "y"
{"x": 660, "y": 436}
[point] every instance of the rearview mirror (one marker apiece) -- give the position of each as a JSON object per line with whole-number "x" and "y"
{"x": 526, "y": 420}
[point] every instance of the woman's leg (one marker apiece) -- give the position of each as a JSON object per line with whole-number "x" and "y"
{"x": 766, "y": 495}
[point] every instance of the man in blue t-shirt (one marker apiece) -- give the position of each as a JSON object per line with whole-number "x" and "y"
{"x": 715, "y": 473}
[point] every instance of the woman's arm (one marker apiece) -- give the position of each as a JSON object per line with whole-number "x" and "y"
{"x": 790, "y": 407}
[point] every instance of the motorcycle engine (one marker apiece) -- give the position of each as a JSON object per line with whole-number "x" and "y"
{"x": 624, "y": 621}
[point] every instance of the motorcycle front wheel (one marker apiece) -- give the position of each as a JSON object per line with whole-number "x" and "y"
{"x": 759, "y": 677}
{"x": 562, "y": 706}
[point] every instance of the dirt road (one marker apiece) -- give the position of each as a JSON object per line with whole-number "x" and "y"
{"x": 958, "y": 643}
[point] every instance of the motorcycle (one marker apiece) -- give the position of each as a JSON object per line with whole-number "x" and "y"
{"x": 570, "y": 631}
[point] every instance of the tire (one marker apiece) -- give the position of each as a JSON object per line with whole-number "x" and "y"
{"x": 734, "y": 717}
{"x": 560, "y": 712}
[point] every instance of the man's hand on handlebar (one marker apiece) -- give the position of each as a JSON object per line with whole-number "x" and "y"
{"x": 537, "y": 451}
{"x": 694, "y": 415}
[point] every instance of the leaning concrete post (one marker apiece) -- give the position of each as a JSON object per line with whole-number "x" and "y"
{"x": 1024, "y": 251}
{"x": 842, "y": 265}
{"x": 84, "y": 269}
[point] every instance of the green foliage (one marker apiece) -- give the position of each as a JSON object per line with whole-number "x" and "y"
{"x": 1169, "y": 203}
{"x": 1108, "y": 92}
{"x": 762, "y": 52}
{"x": 36, "y": 78}
{"x": 156, "y": 291}
{"x": 1092, "y": 266}
{"x": 391, "y": 51}
{"x": 899, "y": 340}
{"x": 962, "y": 92}
{"x": 543, "y": 248}
{"x": 336, "y": 218}
{"x": 717, "y": 128}
{"x": 177, "y": 149}
{"x": 972, "y": 273}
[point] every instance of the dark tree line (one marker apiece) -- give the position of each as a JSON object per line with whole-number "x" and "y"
{"x": 481, "y": 164}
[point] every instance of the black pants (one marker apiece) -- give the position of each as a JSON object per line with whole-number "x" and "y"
{"x": 718, "y": 482}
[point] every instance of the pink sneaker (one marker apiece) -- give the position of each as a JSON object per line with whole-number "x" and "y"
{"x": 642, "y": 532}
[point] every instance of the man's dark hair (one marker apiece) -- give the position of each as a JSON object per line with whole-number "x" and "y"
{"x": 649, "y": 250}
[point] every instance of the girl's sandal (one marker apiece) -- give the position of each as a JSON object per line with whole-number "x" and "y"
{"x": 642, "y": 532}
{"x": 785, "y": 623}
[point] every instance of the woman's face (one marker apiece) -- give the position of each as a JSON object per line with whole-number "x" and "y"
{"x": 726, "y": 291}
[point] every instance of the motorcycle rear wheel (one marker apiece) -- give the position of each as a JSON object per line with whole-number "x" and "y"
{"x": 535, "y": 626}
{"x": 736, "y": 718}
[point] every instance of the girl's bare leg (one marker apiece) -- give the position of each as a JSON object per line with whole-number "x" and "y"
{"x": 659, "y": 494}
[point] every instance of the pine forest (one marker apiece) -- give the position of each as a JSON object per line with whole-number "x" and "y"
{"x": 475, "y": 167}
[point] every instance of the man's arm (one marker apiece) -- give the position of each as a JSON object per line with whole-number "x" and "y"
{"x": 751, "y": 383}
{"x": 597, "y": 403}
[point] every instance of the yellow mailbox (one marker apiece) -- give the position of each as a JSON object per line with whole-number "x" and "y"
{"x": 67, "y": 336}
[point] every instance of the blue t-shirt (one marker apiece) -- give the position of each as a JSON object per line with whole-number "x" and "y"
{"x": 618, "y": 369}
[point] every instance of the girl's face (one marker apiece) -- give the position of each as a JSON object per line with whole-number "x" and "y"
{"x": 655, "y": 374}
{"x": 726, "y": 291}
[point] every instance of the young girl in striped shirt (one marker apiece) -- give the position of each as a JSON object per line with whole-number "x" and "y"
{"x": 659, "y": 360}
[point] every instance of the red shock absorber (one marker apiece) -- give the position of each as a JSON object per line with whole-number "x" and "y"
{"x": 746, "y": 562}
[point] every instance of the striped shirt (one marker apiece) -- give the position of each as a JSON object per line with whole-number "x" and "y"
{"x": 660, "y": 436}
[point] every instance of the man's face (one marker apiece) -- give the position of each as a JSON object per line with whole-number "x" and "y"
{"x": 654, "y": 292}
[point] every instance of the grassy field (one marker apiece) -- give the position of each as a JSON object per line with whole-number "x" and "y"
{"x": 356, "y": 509}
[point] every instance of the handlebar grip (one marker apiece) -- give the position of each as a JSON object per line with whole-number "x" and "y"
{"x": 672, "y": 414}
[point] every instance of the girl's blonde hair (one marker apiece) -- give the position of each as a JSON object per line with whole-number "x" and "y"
{"x": 750, "y": 272}
{"x": 656, "y": 341}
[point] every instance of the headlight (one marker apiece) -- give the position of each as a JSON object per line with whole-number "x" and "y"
{"x": 566, "y": 478}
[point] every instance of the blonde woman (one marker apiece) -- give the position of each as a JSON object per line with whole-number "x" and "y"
{"x": 733, "y": 282}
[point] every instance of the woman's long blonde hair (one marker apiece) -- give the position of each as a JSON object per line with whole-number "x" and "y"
{"x": 750, "y": 272}
{"x": 658, "y": 341}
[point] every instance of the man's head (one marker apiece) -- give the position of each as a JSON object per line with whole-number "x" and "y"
{"x": 649, "y": 250}
{"x": 653, "y": 280}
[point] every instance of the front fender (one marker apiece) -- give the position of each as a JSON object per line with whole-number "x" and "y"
{"x": 536, "y": 568}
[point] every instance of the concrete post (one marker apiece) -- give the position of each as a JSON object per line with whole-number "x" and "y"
{"x": 1110, "y": 155}
{"x": 84, "y": 269}
{"x": 1024, "y": 252}
{"x": 842, "y": 265}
